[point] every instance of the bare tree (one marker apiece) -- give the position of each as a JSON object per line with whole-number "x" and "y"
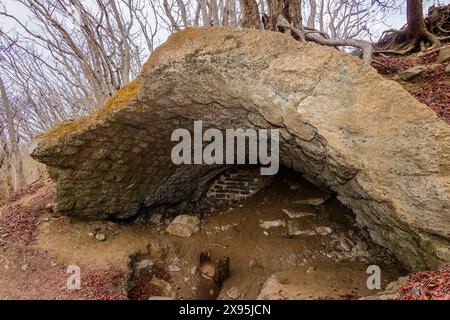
{"x": 286, "y": 15}
{"x": 64, "y": 59}
{"x": 417, "y": 34}
{"x": 14, "y": 152}
{"x": 250, "y": 14}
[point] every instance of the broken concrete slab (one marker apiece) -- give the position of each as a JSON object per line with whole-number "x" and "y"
{"x": 298, "y": 210}
{"x": 272, "y": 224}
{"x": 184, "y": 226}
{"x": 294, "y": 230}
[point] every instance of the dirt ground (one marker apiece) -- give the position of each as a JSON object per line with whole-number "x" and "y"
{"x": 34, "y": 257}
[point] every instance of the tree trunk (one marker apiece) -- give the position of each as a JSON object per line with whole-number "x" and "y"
{"x": 16, "y": 159}
{"x": 416, "y": 29}
{"x": 290, "y": 10}
{"x": 275, "y": 8}
{"x": 312, "y": 15}
{"x": 250, "y": 14}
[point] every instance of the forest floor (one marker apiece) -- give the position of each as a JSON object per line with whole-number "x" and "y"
{"x": 37, "y": 248}
{"x": 431, "y": 84}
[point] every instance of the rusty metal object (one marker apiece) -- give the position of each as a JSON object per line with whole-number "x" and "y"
{"x": 212, "y": 276}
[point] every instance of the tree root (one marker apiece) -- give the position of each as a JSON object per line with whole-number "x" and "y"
{"x": 314, "y": 36}
{"x": 409, "y": 49}
{"x": 412, "y": 44}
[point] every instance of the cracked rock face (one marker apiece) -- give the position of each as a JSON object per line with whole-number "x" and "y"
{"x": 341, "y": 124}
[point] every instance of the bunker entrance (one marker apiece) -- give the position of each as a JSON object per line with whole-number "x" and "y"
{"x": 285, "y": 238}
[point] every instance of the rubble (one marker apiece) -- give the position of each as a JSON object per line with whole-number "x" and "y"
{"x": 293, "y": 230}
{"x": 323, "y": 231}
{"x": 156, "y": 218}
{"x": 166, "y": 288}
{"x": 314, "y": 200}
{"x": 234, "y": 293}
{"x": 294, "y": 214}
{"x": 100, "y": 237}
{"x": 272, "y": 224}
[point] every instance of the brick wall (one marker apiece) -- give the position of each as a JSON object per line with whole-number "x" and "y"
{"x": 237, "y": 184}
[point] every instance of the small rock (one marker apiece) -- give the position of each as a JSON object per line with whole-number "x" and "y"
{"x": 166, "y": 287}
{"x": 294, "y": 186}
{"x": 174, "y": 268}
{"x": 273, "y": 289}
{"x": 252, "y": 263}
{"x": 100, "y": 237}
{"x": 156, "y": 218}
{"x": 272, "y": 224}
{"x": 310, "y": 270}
{"x": 314, "y": 201}
{"x": 364, "y": 234}
{"x": 49, "y": 206}
{"x": 444, "y": 55}
{"x": 193, "y": 270}
{"x": 184, "y": 226}
{"x": 447, "y": 69}
{"x": 143, "y": 264}
{"x": 234, "y": 293}
{"x": 53, "y": 264}
{"x": 411, "y": 73}
{"x": 266, "y": 233}
{"x": 364, "y": 260}
{"x": 91, "y": 234}
{"x": 293, "y": 230}
{"x": 362, "y": 246}
{"x": 302, "y": 233}
{"x": 293, "y": 214}
{"x": 225, "y": 227}
{"x": 345, "y": 244}
{"x": 161, "y": 298}
{"x": 323, "y": 231}
{"x": 24, "y": 267}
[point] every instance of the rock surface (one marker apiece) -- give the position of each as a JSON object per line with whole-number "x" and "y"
{"x": 273, "y": 289}
{"x": 443, "y": 55}
{"x": 411, "y": 73}
{"x": 342, "y": 125}
{"x": 184, "y": 226}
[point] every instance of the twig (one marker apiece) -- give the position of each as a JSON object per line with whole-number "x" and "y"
{"x": 216, "y": 245}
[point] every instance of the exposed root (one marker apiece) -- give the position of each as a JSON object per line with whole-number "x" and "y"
{"x": 314, "y": 36}
{"x": 409, "y": 49}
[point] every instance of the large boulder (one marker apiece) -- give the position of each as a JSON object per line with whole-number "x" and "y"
{"x": 342, "y": 125}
